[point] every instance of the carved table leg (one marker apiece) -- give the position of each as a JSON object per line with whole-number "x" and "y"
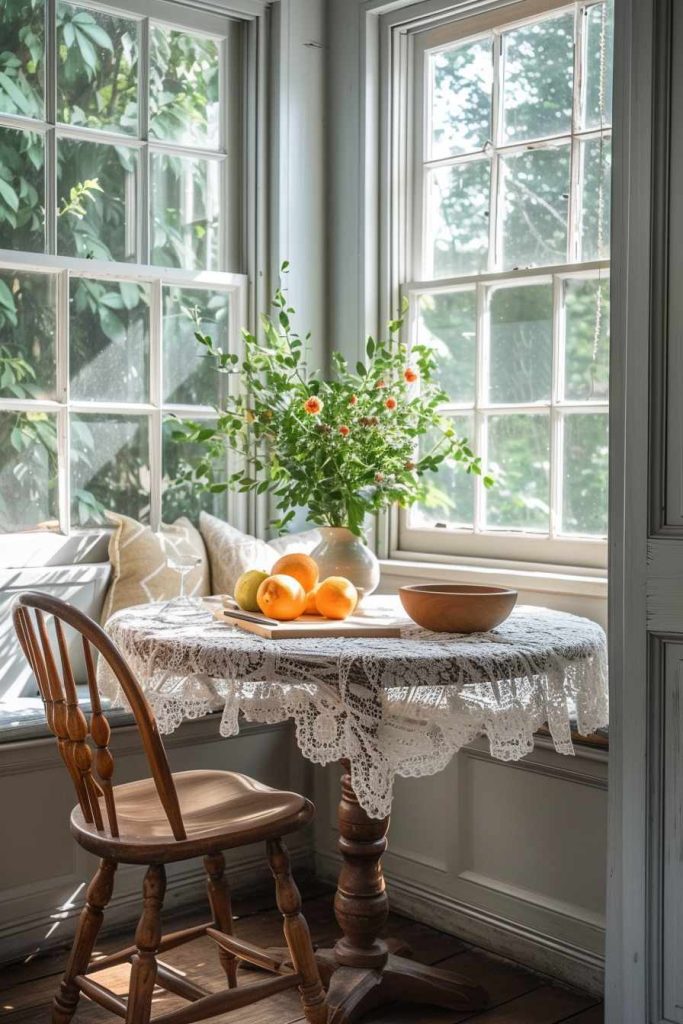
{"x": 363, "y": 973}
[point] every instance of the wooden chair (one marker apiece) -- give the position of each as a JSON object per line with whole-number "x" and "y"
{"x": 168, "y": 817}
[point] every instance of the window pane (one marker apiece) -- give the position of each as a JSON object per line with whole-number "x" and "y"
{"x": 97, "y": 192}
{"x": 97, "y": 73}
{"x": 535, "y": 201}
{"x": 538, "y": 79}
{"x": 519, "y": 458}
{"x": 185, "y": 211}
{"x": 586, "y": 367}
{"x": 22, "y": 55}
{"x": 109, "y": 341}
{"x": 183, "y": 498}
{"x": 27, "y": 332}
{"x": 189, "y": 377}
{"x": 22, "y": 191}
{"x": 28, "y": 471}
{"x": 184, "y": 87}
{"x": 521, "y": 344}
{"x": 109, "y": 467}
{"x": 450, "y": 496}
{"x": 596, "y": 172}
{"x": 584, "y": 505}
{"x": 447, "y": 324}
{"x": 458, "y": 219}
{"x": 599, "y": 30}
{"x": 461, "y": 83}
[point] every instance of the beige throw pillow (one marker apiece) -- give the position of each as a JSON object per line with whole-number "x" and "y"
{"x": 232, "y": 552}
{"x": 138, "y": 559}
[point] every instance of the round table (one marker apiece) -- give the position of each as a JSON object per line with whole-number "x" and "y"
{"x": 383, "y": 707}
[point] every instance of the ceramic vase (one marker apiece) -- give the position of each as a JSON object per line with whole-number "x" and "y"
{"x": 341, "y": 553}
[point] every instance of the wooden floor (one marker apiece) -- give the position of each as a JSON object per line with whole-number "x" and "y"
{"x": 517, "y": 995}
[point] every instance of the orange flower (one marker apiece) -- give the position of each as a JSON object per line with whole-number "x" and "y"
{"x": 344, "y": 430}
{"x": 410, "y": 375}
{"x": 379, "y": 478}
{"x": 313, "y": 406}
{"x": 380, "y": 384}
{"x": 353, "y": 400}
{"x": 409, "y": 465}
{"x": 391, "y": 403}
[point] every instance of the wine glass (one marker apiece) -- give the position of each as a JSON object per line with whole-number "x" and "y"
{"x": 184, "y": 603}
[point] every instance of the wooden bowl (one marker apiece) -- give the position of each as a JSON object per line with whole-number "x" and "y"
{"x": 457, "y": 607}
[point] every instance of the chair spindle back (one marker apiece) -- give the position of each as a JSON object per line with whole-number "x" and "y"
{"x": 91, "y": 772}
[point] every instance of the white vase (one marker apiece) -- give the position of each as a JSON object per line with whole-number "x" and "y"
{"x": 341, "y": 553}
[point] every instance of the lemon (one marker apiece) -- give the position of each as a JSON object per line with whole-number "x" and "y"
{"x": 246, "y": 587}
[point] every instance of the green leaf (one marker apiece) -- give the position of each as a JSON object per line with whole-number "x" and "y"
{"x": 9, "y": 195}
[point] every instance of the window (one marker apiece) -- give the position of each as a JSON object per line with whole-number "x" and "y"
{"x": 506, "y": 268}
{"x": 120, "y": 226}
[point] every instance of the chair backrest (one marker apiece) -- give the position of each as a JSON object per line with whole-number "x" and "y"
{"x": 65, "y": 717}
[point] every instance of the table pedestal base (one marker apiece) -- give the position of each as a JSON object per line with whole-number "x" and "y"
{"x": 361, "y": 973}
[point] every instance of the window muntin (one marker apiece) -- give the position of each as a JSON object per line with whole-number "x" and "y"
{"x": 115, "y": 132}
{"x": 510, "y": 281}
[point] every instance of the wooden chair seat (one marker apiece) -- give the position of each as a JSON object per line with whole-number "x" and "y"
{"x": 219, "y": 810}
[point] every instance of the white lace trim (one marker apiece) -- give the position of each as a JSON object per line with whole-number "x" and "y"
{"x": 391, "y": 706}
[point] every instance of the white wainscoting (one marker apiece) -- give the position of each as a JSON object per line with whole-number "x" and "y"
{"x": 509, "y": 856}
{"x": 43, "y": 873}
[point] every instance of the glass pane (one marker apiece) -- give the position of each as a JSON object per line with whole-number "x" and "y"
{"x": 458, "y": 219}
{"x": 538, "y": 79}
{"x": 109, "y": 341}
{"x": 599, "y": 30}
{"x": 521, "y": 344}
{"x": 109, "y": 467}
{"x": 28, "y": 471}
{"x": 447, "y": 324}
{"x": 96, "y": 207}
{"x": 97, "y": 72}
{"x": 184, "y": 87}
{"x": 461, "y": 83}
{"x": 22, "y": 191}
{"x": 450, "y": 492}
{"x": 586, "y": 366}
{"x": 185, "y": 211}
{"x": 535, "y": 201}
{"x": 182, "y": 498}
{"x": 584, "y": 480}
{"x": 519, "y": 458}
{"x": 596, "y": 176}
{"x": 28, "y": 318}
{"x": 22, "y": 55}
{"x": 189, "y": 377}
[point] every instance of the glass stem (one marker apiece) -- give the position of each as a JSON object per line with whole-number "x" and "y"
{"x": 182, "y": 586}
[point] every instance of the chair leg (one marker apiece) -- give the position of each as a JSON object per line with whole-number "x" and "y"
{"x": 297, "y": 934}
{"x": 98, "y": 896}
{"x": 221, "y": 908}
{"x": 147, "y": 938}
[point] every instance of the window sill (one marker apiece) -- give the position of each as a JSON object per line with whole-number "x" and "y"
{"x": 526, "y": 576}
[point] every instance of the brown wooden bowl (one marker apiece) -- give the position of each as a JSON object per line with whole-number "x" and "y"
{"x": 457, "y": 607}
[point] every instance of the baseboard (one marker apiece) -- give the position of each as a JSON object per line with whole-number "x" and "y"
{"x": 543, "y": 953}
{"x": 25, "y": 937}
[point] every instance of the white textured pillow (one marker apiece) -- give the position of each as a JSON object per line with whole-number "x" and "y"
{"x": 232, "y": 552}
{"x": 138, "y": 559}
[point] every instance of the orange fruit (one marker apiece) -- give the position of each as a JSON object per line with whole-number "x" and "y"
{"x": 311, "y": 607}
{"x": 302, "y": 567}
{"x": 281, "y": 597}
{"x": 336, "y": 597}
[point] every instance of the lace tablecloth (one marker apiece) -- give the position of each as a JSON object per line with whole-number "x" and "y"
{"x": 391, "y": 706}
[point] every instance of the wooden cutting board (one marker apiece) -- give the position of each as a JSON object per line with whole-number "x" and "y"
{"x": 361, "y": 624}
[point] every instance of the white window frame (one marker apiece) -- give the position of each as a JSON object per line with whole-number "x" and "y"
{"x": 410, "y": 47}
{"x": 236, "y": 244}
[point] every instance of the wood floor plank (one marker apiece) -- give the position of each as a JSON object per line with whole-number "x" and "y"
{"x": 596, "y": 1015}
{"x": 548, "y": 1004}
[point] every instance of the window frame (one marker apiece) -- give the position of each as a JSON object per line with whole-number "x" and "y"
{"x": 410, "y": 43}
{"x": 240, "y": 137}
